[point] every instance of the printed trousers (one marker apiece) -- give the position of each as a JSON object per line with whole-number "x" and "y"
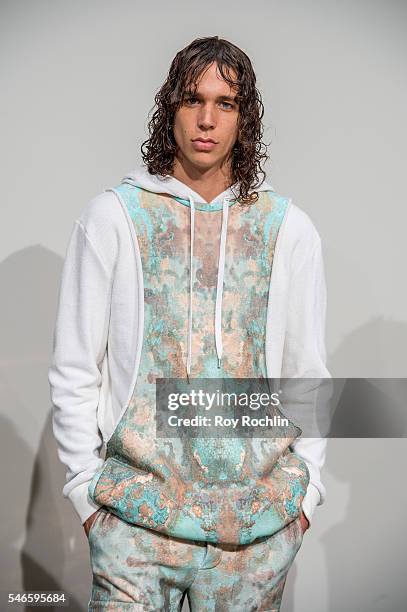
{"x": 136, "y": 568}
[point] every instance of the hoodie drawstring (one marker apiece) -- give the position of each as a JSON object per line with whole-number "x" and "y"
{"x": 192, "y": 226}
{"x": 219, "y": 287}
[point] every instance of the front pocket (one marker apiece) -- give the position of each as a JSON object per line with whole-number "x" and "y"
{"x": 132, "y": 494}
{"x": 301, "y": 533}
{"x": 304, "y": 466}
{"x": 99, "y": 513}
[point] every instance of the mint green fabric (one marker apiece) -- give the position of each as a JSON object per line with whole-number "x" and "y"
{"x": 228, "y": 490}
{"x": 136, "y": 568}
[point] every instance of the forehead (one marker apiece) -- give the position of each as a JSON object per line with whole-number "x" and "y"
{"x": 210, "y": 81}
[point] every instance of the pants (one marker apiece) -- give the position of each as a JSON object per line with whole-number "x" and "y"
{"x": 135, "y": 568}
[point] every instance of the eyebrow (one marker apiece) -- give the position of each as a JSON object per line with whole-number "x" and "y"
{"x": 198, "y": 95}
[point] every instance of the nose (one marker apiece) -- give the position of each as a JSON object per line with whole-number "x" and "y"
{"x": 206, "y": 118}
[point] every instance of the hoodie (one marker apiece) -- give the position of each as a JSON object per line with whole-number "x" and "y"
{"x": 159, "y": 283}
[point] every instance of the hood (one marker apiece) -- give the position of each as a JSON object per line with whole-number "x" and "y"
{"x": 140, "y": 177}
{"x": 181, "y": 192}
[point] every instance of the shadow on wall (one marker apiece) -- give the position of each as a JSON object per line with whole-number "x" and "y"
{"x": 54, "y": 553}
{"x": 362, "y": 522}
{"x": 44, "y": 546}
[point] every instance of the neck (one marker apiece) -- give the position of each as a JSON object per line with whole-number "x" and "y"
{"x": 209, "y": 183}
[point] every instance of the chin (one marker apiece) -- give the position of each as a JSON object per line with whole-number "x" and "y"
{"x": 202, "y": 158}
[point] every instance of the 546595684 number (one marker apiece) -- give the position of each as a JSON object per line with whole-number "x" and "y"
{"x": 39, "y": 598}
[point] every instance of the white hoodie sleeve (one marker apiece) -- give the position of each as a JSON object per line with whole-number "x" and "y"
{"x": 79, "y": 345}
{"x": 305, "y": 353}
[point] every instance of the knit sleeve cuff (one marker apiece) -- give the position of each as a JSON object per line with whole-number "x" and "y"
{"x": 82, "y": 503}
{"x": 310, "y": 501}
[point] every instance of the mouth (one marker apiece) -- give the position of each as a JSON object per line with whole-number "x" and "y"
{"x": 204, "y": 144}
{"x": 204, "y": 140}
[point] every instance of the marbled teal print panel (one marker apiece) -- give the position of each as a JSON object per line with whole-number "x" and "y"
{"x": 218, "y": 490}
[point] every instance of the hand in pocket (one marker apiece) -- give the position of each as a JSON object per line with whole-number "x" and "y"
{"x": 89, "y": 522}
{"x": 304, "y": 522}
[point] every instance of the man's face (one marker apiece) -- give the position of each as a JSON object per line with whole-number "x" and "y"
{"x": 210, "y": 113}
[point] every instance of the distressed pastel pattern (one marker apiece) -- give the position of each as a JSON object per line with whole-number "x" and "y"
{"x": 135, "y": 568}
{"x": 215, "y": 490}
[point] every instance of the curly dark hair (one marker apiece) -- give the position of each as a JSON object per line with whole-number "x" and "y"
{"x": 185, "y": 70}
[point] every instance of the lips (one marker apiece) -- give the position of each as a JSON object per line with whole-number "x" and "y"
{"x": 204, "y": 140}
{"x": 200, "y": 144}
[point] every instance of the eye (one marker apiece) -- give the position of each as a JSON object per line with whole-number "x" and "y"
{"x": 228, "y": 104}
{"x": 190, "y": 99}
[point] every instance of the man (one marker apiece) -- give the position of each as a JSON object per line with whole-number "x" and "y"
{"x": 184, "y": 271}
